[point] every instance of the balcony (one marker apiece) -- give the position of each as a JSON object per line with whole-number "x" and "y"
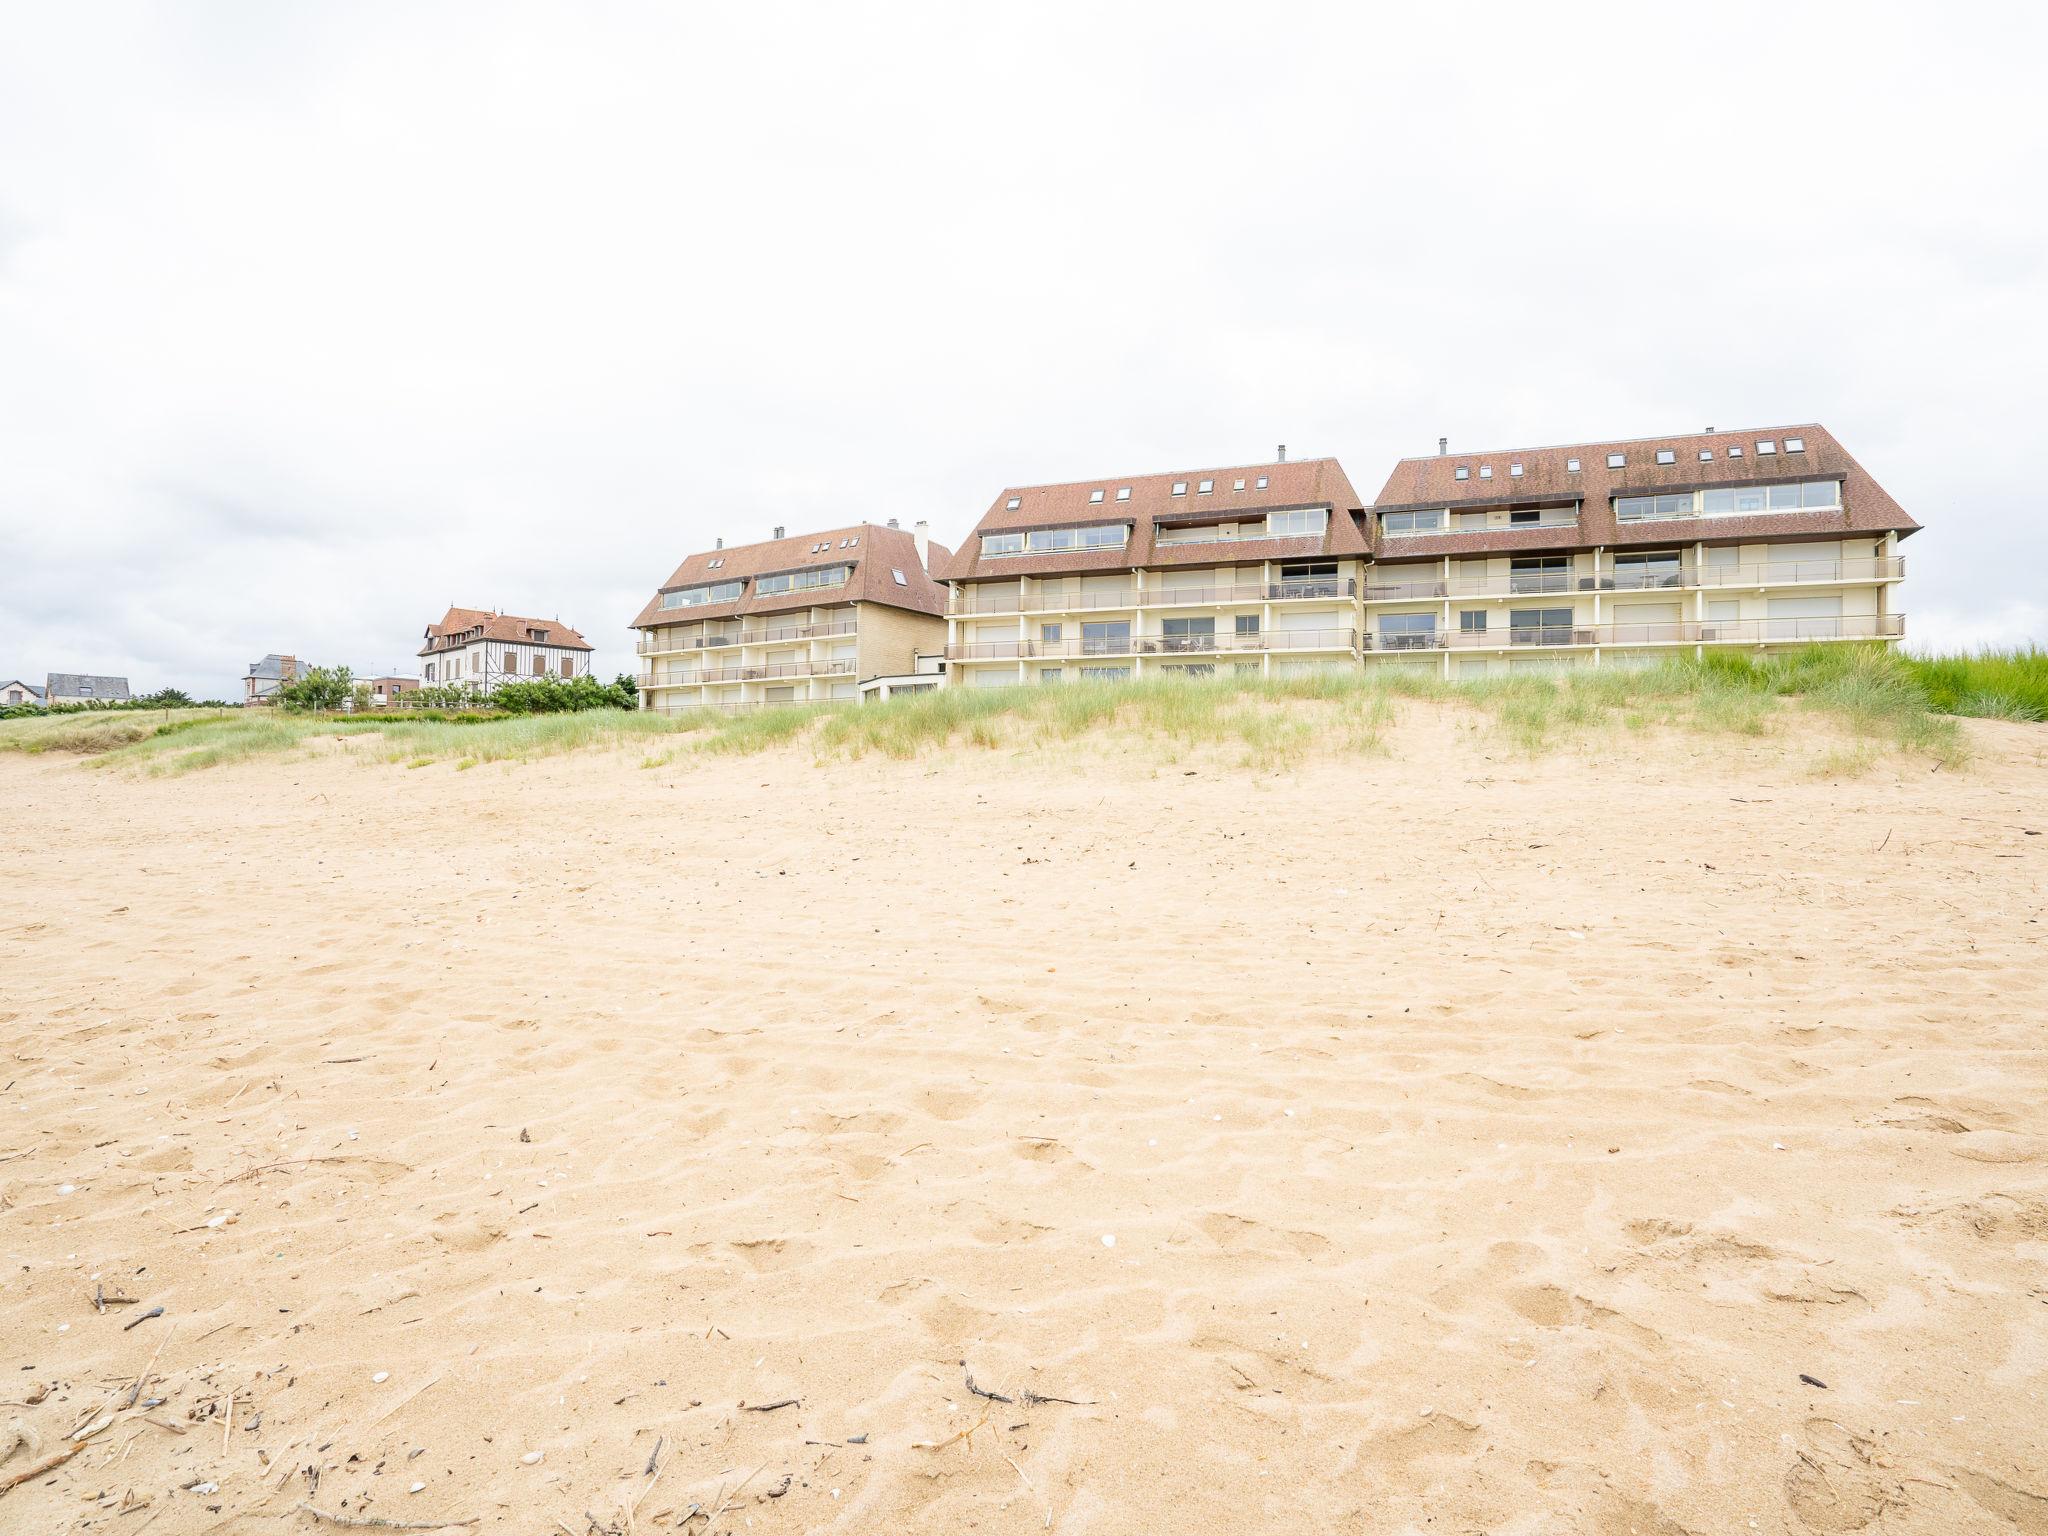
{"x": 1766, "y": 631}
{"x": 1156, "y": 645}
{"x": 649, "y": 645}
{"x": 1323, "y": 588}
{"x": 1559, "y": 518}
{"x": 1773, "y": 573}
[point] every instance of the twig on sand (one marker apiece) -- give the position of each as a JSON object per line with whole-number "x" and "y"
{"x": 1034, "y": 1491}
{"x": 135, "y": 1392}
{"x": 378, "y": 1523}
{"x": 787, "y": 1402}
{"x": 724, "y": 1499}
{"x": 994, "y": 1397}
{"x": 654, "y": 1456}
{"x": 49, "y": 1463}
{"x": 137, "y": 1322}
{"x": 966, "y": 1434}
{"x": 297, "y": 1162}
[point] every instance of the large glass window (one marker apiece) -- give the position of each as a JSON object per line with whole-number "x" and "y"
{"x": 1002, "y": 544}
{"x": 1431, "y": 521}
{"x": 1407, "y": 631}
{"x": 1297, "y": 523}
{"x": 1540, "y": 573}
{"x": 1732, "y": 501}
{"x": 697, "y": 597}
{"x": 1306, "y": 578}
{"x": 1540, "y": 626}
{"x": 1110, "y": 638}
{"x": 1649, "y": 569}
{"x": 1188, "y": 634}
{"x": 802, "y": 581}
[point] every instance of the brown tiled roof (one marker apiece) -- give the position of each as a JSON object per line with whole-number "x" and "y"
{"x": 1292, "y": 483}
{"x": 877, "y": 555}
{"x": 1431, "y": 481}
{"x": 502, "y": 627}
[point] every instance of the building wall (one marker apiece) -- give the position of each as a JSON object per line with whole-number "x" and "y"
{"x": 482, "y": 663}
{"x": 891, "y": 637}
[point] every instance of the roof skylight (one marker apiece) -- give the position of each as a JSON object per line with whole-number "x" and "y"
{"x": 1095, "y": 496}
{"x": 1795, "y": 445}
{"x": 1014, "y": 503}
{"x": 1666, "y": 456}
{"x": 1616, "y": 460}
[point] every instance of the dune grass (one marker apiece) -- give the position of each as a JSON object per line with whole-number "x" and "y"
{"x": 1994, "y": 684}
{"x": 1875, "y": 695}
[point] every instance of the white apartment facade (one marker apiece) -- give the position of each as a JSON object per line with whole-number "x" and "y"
{"x": 478, "y": 649}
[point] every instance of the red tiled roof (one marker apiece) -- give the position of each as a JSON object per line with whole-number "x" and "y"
{"x": 1291, "y": 483}
{"x": 500, "y": 627}
{"x": 1431, "y": 481}
{"x": 875, "y": 555}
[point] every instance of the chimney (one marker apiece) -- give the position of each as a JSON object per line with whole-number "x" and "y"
{"x": 718, "y": 543}
{"x": 1443, "y": 446}
{"x": 778, "y": 530}
{"x": 921, "y": 535}
{"x": 892, "y": 522}
{"x": 1281, "y": 456}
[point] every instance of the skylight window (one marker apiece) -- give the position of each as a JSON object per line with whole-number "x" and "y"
{"x": 1013, "y": 503}
{"x": 1237, "y": 485}
{"x": 901, "y": 580}
{"x": 1795, "y": 445}
{"x": 1205, "y": 487}
{"x": 1462, "y": 473}
{"x": 1514, "y": 471}
{"x": 1123, "y": 493}
{"x": 1767, "y": 445}
{"x": 1571, "y": 466}
{"x": 1735, "y": 450}
{"x": 1095, "y": 495}
{"x": 853, "y": 542}
{"x": 1666, "y": 456}
{"x": 1180, "y": 487}
{"x": 1706, "y": 455}
{"x": 1262, "y": 483}
{"x": 715, "y": 564}
{"x": 1486, "y": 471}
{"x": 1616, "y": 460}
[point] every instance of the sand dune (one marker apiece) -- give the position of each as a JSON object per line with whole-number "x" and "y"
{"x": 1441, "y": 1141}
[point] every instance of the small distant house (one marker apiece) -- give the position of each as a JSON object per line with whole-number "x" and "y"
{"x": 14, "y": 691}
{"x": 269, "y": 678}
{"x": 388, "y": 691}
{"x": 472, "y": 648}
{"x": 81, "y": 688}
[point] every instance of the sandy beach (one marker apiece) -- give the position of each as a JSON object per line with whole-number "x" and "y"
{"x": 1650, "y": 1137}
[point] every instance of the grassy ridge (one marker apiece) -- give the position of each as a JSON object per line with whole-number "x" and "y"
{"x": 1881, "y": 698}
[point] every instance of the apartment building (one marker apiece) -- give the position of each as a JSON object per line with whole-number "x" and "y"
{"x": 799, "y": 620}
{"x": 1250, "y": 570}
{"x": 479, "y": 649}
{"x": 1620, "y": 553}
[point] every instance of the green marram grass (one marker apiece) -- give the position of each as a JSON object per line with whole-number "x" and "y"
{"x": 1874, "y": 694}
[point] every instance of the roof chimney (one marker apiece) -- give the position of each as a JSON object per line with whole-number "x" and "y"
{"x": 892, "y": 522}
{"x": 921, "y": 534}
{"x": 778, "y": 530}
{"x": 718, "y": 543}
{"x": 1443, "y": 446}
{"x": 1282, "y": 455}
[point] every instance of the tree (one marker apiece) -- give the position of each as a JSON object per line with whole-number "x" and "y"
{"x": 317, "y": 688}
{"x": 359, "y": 697}
{"x": 165, "y": 698}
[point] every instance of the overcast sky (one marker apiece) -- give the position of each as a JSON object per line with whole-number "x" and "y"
{"x": 317, "y": 318}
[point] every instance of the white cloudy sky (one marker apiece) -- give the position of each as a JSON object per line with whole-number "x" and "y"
{"x": 316, "y": 318}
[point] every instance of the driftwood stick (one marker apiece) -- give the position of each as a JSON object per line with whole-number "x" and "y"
{"x": 48, "y": 1464}
{"x": 135, "y": 1391}
{"x": 378, "y": 1523}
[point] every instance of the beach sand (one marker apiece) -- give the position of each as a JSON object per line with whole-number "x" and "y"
{"x": 1441, "y": 1141}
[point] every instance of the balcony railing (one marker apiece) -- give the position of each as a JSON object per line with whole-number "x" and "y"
{"x": 1559, "y": 519}
{"x": 650, "y": 645}
{"x": 754, "y": 673}
{"x": 1307, "y": 589}
{"x": 1889, "y": 626}
{"x": 1644, "y": 578}
{"x": 1156, "y": 645}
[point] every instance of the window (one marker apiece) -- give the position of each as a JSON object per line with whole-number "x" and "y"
{"x": 1766, "y": 445}
{"x": 697, "y": 597}
{"x": 1187, "y": 634}
{"x": 1461, "y": 473}
{"x": 1431, "y": 521}
{"x": 1472, "y": 621}
{"x": 511, "y": 662}
{"x": 1048, "y": 674}
{"x": 1112, "y": 638}
{"x": 1105, "y": 674}
{"x": 854, "y": 542}
{"x": 1237, "y": 485}
{"x": 1540, "y": 573}
{"x": 1301, "y": 522}
{"x": 1094, "y": 496}
{"x": 568, "y": 666}
{"x": 1039, "y": 541}
{"x": 1735, "y": 452}
{"x": 1540, "y": 626}
{"x": 1666, "y": 456}
{"x": 540, "y": 665}
{"x": 1051, "y": 633}
{"x": 1637, "y": 509}
{"x": 1649, "y": 570}
{"x": 1571, "y": 466}
{"x": 1014, "y": 503}
{"x": 1247, "y": 623}
{"x": 901, "y": 579}
{"x": 1180, "y": 487}
{"x": 802, "y": 581}
{"x": 430, "y": 671}
{"x": 1706, "y": 455}
{"x": 1407, "y": 631}
{"x": 712, "y": 565}
{"x": 1616, "y": 460}
{"x": 1205, "y": 487}
{"x": 1795, "y": 445}
{"x": 1514, "y": 471}
{"x": 1002, "y": 543}
{"x": 1123, "y": 493}
{"x": 1486, "y": 471}
{"x": 1261, "y": 483}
